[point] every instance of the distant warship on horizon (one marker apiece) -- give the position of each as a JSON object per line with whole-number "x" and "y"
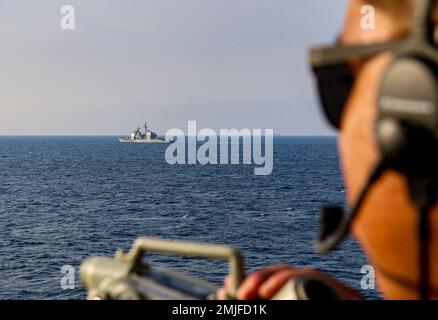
{"x": 147, "y": 136}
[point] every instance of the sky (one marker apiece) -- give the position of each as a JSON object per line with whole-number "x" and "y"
{"x": 223, "y": 63}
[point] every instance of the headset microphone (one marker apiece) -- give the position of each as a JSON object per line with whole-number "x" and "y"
{"x": 335, "y": 224}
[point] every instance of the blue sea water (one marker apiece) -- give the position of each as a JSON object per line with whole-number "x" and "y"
{"x": 65, "y": 198}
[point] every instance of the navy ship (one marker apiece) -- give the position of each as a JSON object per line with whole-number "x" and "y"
{"x": 146, "y": 136}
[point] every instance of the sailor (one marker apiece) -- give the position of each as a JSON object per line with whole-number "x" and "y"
{"x": 401, "y": 246}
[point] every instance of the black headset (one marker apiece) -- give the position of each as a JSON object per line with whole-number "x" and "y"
{"x": 406, "y": 130}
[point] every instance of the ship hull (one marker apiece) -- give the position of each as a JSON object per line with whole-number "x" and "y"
{"x": 128, "y": 140}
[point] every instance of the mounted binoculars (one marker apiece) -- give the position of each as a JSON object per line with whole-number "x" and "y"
{"x": 128, "y": 277}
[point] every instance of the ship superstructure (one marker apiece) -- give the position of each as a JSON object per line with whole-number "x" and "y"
{"x": 143, "y": 136}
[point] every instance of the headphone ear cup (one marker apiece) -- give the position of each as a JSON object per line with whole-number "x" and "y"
{"x": 409, "y": 92}
{"x": 407, "y": 123}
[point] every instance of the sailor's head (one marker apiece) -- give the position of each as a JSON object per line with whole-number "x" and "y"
{"x": 387, "y": 225}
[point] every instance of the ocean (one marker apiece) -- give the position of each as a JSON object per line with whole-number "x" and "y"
{"x": 63, "y": 199}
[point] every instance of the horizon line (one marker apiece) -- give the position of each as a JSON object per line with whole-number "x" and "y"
{"x": 115, "y": 135}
